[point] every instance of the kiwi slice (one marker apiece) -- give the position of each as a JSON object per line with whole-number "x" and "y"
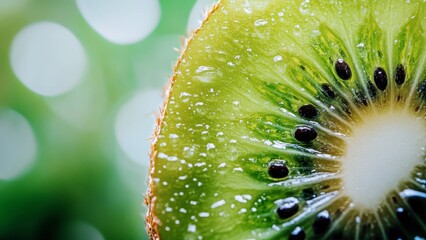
{"x": 295, "y": 120}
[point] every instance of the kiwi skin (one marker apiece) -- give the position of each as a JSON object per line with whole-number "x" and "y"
{"x": 153, "y": 221}
{"x": 149, "y": 200}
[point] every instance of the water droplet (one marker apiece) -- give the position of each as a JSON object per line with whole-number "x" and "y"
{"x": 278, "y": 58}
{"x": 360, "y": 45}
{"x": 315, "y": 33}
{"x": 201, "y": 69}
{"x": 218, "y": 203}
{"x": 207, "y": 74}
{"x": 247, "y": 7}
{"x": 173, "y": 136}
{"x": 204, "y": 214}
{"x": 260, "y": 22}
{"x": 242, "y": 210}
{"x": 243, "y": 198}
{"x": 297, "y": 30}
{"x": 210, "y": 146}
{"x": 304, "y": 7}
{"x": 192, "y": 228}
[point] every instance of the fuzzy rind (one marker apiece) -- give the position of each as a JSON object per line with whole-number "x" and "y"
{"x": 152, "y": 221}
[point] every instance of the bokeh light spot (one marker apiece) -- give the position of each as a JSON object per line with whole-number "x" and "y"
{"x": 17, "y": 144}
{"x": 121, "y": 21}
{"x": 84, "y": 107}
{"x": 155, "y": 65}
{"x": 135, "y": 124}
{"x": 48, "y": 58}
{"x": 81, "y": 231}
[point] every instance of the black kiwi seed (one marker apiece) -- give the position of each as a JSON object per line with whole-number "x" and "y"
{"x": 422, "y": 90}
{"x": 322, "y": 222}
{"x": 337, "y": 236}
{"x": 372, "y": 89}
{"x": 360, "y": 98}
{"x": 342, "y": 69}
{"x": 277, "y": 169}
{"x": 308, "y": 193}
{"x": 288, "y": 207}
{"x": 416, "y": 200}
{"x": 308, "y": 111}
{"x": 297, "y": 234}
{"x": 305, "y": 134}
{"x": 402, "y": 214}
{"x": 394, "y": 233}
{"x": 345, "y": 106}
{"x": 305, "y": 164}
{"x": 400, "y": 74}
{"x": 328, "y": 90}
{"x": 394, "y": 199}
{"x": 417, "y": 109}
{"x": 380, "y": 78}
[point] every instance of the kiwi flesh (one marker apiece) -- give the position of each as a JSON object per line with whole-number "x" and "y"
{"x": 295, "y": 120}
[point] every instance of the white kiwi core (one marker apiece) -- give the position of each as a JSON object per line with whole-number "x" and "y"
{"x": 381, "y": 152}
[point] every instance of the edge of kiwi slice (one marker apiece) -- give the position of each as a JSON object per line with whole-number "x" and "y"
{"x": 149, "y": 200}
{"x": 319, "y": 102}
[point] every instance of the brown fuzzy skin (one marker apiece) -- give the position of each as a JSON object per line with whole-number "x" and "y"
{"x": 151, "y": 219}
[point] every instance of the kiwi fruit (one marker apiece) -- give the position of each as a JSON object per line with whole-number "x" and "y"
{"x": 295, "y": 120}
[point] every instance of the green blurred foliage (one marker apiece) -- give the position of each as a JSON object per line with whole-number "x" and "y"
{"x": 78, "y": 174}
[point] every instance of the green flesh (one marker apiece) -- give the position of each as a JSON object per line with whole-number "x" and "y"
{"x": 234, "y": 104}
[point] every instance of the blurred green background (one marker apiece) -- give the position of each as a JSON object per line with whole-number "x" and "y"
{"x": 80, "y": 83}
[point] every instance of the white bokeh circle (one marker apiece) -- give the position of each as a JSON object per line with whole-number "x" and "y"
{"x": 121, "y": 21}
{"x": 48, "y": 58}
{"x": 81, "y": 231}
{"x": 135, "y": 124}
{"x": 84, "y": 107}
{"x": 198, "y": 14}
{"x": 17, "y": 144}
{"x": 154, "y": 67}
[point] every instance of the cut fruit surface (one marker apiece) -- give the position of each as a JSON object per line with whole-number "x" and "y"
{"x": 293, "y": 120}
{"x": 380, "y": 153}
